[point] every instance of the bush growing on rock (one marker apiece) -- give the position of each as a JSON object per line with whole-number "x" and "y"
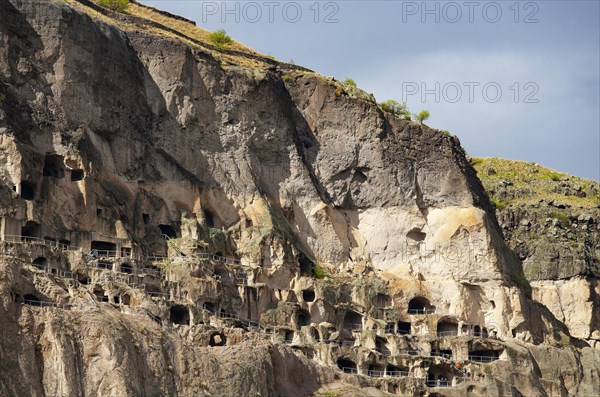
{"x": 395, "y": 108}
{"x": 349, "y": 82}
{"x": 319, "y": 272}
{"x": 422, "y": 116}
{"x": 220, "y": 38}
{"x": 115, "y": 5}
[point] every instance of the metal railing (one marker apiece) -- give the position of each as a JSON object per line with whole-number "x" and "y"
{"x": 421, "y": 311}
{"x": 348, "y": 370}
{"x": 155, "y": 258}
{"x": 436, "y": 353}
{"x": 222, "y": 259}
{"x": 67, "y": 274}
{"x": 105, "y": 253}
{"x": 396, "y": 373}
{"x": 39, "y": 241}
{"x": 158, "y": 294}
{"x": 438, "y": 383}
{"x": 408, "y": 353}
{"x": 482, "y": 359}
{"x": 104, "y": 265}
{"x": 444, "y": 334}
{"x": 40, "y": 303}
{"x": 115, "y": 253}
{"x": 376, "y": 373}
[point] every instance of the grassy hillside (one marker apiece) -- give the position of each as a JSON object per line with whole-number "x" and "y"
{"x": 511, "y": 182}
{"x": 550, "y": 219}
{"x": 153, "y": 21}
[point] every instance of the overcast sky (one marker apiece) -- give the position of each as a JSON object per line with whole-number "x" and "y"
{"x": 519, "y": 80}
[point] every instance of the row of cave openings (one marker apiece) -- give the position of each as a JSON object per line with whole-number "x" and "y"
{"x": 438, "y": 375}
{"x": 178, "y": 314}
{"x": 54, "y": 167}
{"x": 348, "y": 366}
{"x": 353, "y": 321}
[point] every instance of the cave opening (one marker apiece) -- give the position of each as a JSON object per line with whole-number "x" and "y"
{"x": 447, "y": 327}
{"x": 376, "y": 370}
{"x": 104, "y": 248}
{"x": 99, "y": 293}
{"x": 420, "y": 305}
{"x": 31, "y": 230}
{"x": 347, "y": 366}
{"x": 288, "y": 336}
{"x": 126, "y": 268}
{"x": 209, "y": 306}
{"x": 54, "y": 166}
{"x": 439, "y": 376}
{"x": 180, "y": 315}
{"x": 444, "y": 353}
{"x": 40, "y": 262}
{"x": 77, "y": 175}
{"x": 217, "y": 339}
{"x": 308, "y": 295}
{"x": 484, "y": 356}
{"x": 393, "y": 370}
{"x": 306, "y": 265}
{"x": 168, "y": 230}
{"x": 416, "y": 235}
{"x": 315, "y": 334}
{"x": 105, "y": 265}
{"x": 404, "y": 328}
{"x": 390, "y": 328}
{"x": 382, "y": 300}
{"x": 208, "y": 218}
{"x": 353, "y": 320}
{"x": 381, "y": 346}
{"x": 32, "y": 300}
{"x": 28, "y": 190}
{"x": 303, "y": 318}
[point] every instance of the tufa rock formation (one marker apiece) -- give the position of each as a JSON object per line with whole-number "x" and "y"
{"x": 551, "y": 220}
{"x": 183, "y": 221}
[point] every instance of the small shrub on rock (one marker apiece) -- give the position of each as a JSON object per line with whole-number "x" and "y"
{"x": 220, "y": 39}
{"x": 115, "y": 5}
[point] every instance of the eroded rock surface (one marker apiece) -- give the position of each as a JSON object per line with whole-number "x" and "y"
{"x": 550, "y": 220}
{"x": 178, "y": 222}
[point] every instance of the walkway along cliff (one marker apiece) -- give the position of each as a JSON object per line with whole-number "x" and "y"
{"x": 181, "y": 221}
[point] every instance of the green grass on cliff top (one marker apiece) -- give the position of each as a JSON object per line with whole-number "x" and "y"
{"x": 534, "y": 182}
{"x": 188, "y": 30}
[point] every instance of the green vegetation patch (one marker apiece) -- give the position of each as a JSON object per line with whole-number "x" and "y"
{"x": 115, "y": 5}
{"x": 527, "y": 182}
{"x": 220, "y": 39}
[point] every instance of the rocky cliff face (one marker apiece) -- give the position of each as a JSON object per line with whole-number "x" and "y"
{"x": 178, "y": 220}
{"x": 551, "y": 221}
